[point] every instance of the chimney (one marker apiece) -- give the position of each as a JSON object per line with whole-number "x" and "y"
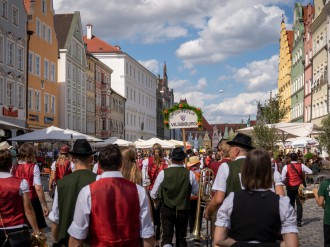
{"x": 89, "y": 31}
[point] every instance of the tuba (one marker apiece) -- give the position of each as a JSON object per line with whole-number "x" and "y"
{"x": 204, "y": 197}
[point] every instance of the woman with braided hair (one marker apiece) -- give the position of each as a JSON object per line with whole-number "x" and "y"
{"x": 151, "y": 167}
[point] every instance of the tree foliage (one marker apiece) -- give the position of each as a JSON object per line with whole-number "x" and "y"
{"x": 324, "y": 137}
{"x": 263, "y": 136}
{"x": 273, "y": 111}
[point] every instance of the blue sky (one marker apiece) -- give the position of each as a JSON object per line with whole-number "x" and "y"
{"x": 208, "y": 45}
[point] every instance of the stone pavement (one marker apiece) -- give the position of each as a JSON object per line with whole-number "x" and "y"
{"x": 310, "y": 234}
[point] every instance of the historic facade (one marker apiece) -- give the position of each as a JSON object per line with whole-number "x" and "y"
{"x": 90, "y": 94}
{"x": 297, "y": 72}
{"x": 72, "y": 66}
{"x": 319, "y": 97}
{"x": 117, "y": 115}
{"x": 308, "y": 47}
{"x": 132, "y": 81}
{"x": 13, "y": 48}
{"x": 284, "y": 70}
{"x": 42, "y": 94}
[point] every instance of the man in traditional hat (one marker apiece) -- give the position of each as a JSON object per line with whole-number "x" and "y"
{"x": 175, "y": 185}
{"x": 113, "y": 210}
{"x": 67, "y": 191}
{"x": 228, "y": 176}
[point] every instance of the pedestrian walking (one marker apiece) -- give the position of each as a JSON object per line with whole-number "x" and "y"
{"x": 171, "y": 193}
{"x": 28, "y": 170}
{"x": 258, "y": 206}
{"x": 67, "y": 191}
{"x": 293, "y": 176}
{"x": 228, "y": 176}
{"x": 129, "y": 168}
{"x": 322, "y": 197}
{"x": 113, "y": 211}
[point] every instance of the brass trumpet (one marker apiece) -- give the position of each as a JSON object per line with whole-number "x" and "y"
{"x": 204, "y": 197}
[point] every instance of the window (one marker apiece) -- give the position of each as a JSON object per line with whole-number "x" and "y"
{"x": 1, "y": 49}
{"x": 4, "y": 6}
{"x": 31, "y": 60}
{"x": 49, "y": 35}
{"x": 68, "y": 70}
{"x": 30, "y": 99}
{"x": 10, "y": 55}
{"x": 37, "y": 102}
{"x": 79, "y": 53}
{"x": 38, "y": 27}
{"x": 46, "y": 103}
{"x": 20, "y": 60}
{"x": 44, "y": 7}
{"x": 52, "y": 105}
{"x": 19, "y": 97}
{"x": 15, "y": 16}
{"x": 9, "y": 93}
{"x": 46, "y": 69}
{"x": 52, "y": 72}
{"x": 38, "y": 65}
{"x": 74, "y": 48}
{"x": 43, "y": 31}
{"x": 1, "y": 91}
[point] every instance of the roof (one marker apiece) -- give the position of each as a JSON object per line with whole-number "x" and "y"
{"x": 62, "y": 23}
{"x": 96, "y": 45}
{"x": 290, "y": 34}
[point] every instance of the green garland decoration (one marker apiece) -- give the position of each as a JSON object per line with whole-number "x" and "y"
{"x": 185, "y": 106}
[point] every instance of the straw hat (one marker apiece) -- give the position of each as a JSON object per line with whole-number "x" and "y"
{"x": 193, "y": 160}
{"x": 4, "y": 145}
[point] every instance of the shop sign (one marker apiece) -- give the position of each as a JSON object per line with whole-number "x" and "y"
{"x": 33, "y": 117}
{"x": 48, "y": 120}
{"x": 9, "y": 112}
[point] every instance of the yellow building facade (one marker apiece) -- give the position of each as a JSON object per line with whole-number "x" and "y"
{"x": 284, "y": 70}
{"x": 42, "y": 87}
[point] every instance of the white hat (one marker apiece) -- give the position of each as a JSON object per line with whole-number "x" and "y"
{"x": 4, "y": 145}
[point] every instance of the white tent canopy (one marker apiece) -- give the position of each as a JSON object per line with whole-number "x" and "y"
{"x": 52, "y": 134}
{"x": 180, "y": 143}
{"x": 7, "y": 125}
{"x": 113, "y": 140}
{"x": 302, "y": 142}
{"x": 286, "y": 130}
{"x": 149, "y": 143}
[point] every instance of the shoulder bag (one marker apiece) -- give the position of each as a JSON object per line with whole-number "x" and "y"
{"x": 18, "y": 238}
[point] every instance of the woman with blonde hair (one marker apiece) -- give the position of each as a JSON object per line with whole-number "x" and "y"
{"x": 15, "y": 204}
{"x": 151, "y": 167}
{"x": 129, "y": 168}
{"x": 61, "y": 167}
{"x": 28, "y": 170}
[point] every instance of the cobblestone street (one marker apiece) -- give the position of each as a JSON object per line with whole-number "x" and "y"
{"x": 310, "y": 234}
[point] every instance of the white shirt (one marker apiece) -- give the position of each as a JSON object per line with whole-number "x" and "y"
{"x": 145, "y": 176}
{"x": 23, "y": 188}
{"x": 304, "y": 168}
{"x": 287, "y": 214}
{"x": 72, "y": 165}
{"x": 36, "y": 173}
{"x": 160, "y": 179}
{"x": 80, "y": 223}
{"x": 220, "y": 182}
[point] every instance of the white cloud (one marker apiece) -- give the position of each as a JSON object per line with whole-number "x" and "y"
{"x": 259, "y": 75}
{"x": 224, "y": 36}
{"x": 241, "y": 106}
{"x": 195, "y": 98}
{"x": 152, "y": 65}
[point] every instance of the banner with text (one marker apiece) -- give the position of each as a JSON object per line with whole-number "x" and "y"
{"x": 183, "y": 118}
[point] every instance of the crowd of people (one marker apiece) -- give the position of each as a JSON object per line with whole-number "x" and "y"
{"x": 125, "y": 197}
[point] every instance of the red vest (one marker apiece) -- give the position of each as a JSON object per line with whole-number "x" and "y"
{"x": 115, "y": 213}
{"x": 62, "y": 170}
{"x": 99, "y": 170}
{"x": 26, "y": 171}
{"x": 139, "y": 163}
{"x": 153, "y": 170}
{"x": 12, "y": 210}
{"x": 292, "y": 177}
